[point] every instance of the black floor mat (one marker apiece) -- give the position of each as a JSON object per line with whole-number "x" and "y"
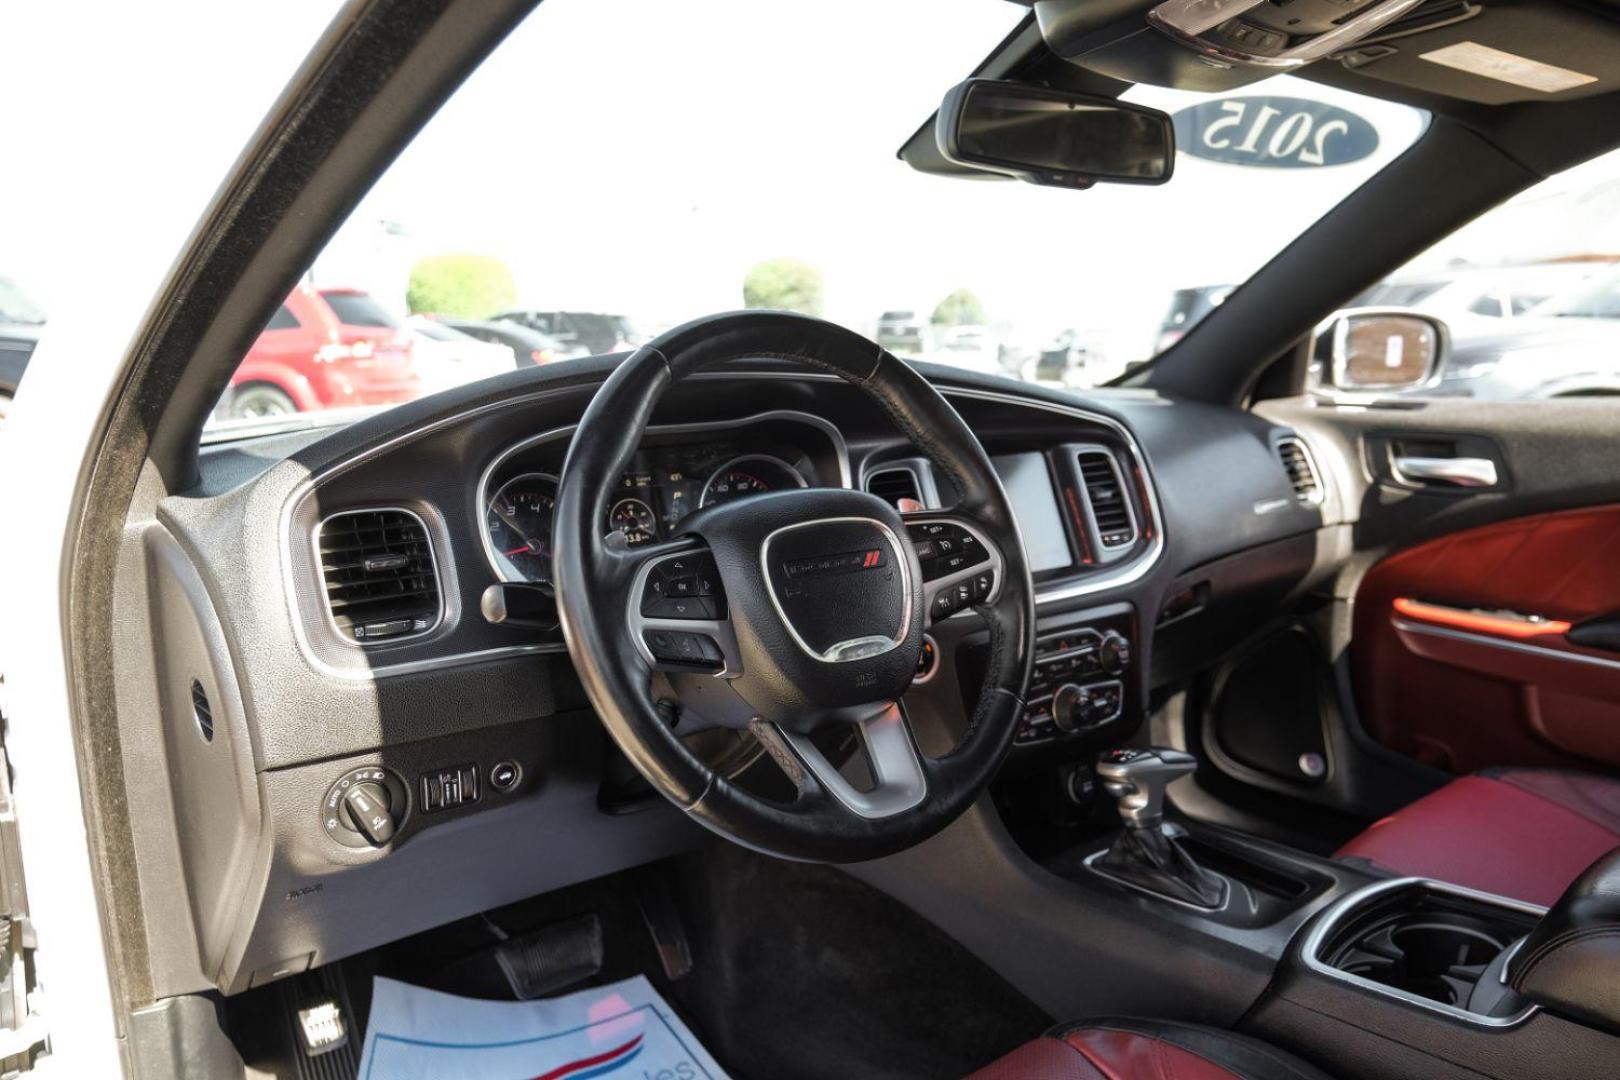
{"x": 799, "y": 971}
{"x": 802, "y": 971}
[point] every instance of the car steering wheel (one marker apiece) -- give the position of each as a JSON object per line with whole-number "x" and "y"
{"x": 810, "y": 603}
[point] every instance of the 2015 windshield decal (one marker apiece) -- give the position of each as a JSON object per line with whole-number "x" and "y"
{"x": 1274, "y": 132}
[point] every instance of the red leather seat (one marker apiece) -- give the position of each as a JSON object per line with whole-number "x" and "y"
{"x": 1146, "y": 1050}
{"x": 1524, "y": 833}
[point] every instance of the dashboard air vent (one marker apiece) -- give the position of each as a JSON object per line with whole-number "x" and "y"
{"x": 381, "y": 580}
{"x": 893, "y": 485}
{"x": 1301, "y": 470}
{"x": 202, "y": 710}
{"x": 1105, "y": 490}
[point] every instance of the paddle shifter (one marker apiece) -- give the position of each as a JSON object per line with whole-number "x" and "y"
{"x": 1145, "y": 854}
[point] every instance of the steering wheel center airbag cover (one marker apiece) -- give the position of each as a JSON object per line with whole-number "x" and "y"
{"x": 819, "y": 630}
{"x": 842, "y": 587}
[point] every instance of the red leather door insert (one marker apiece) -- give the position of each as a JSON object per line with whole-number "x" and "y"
{"x": 1445, "y": 673}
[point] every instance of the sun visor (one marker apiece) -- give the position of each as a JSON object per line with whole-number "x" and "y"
{"x": 1508, "y": 53}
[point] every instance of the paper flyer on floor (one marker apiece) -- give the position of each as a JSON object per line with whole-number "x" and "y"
{"x": 624, "y": 1029}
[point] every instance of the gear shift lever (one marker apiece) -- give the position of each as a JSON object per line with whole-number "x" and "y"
{"x": 1144, "y": 854}
{"x": 1137, "y": 779}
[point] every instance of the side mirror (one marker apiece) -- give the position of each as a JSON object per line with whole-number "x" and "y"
{"x": 1054, "y": 137}
{"x": 1373, "y": 349}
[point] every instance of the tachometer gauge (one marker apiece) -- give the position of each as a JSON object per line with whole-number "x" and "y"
{"x": 754, "y": 474}
{"x": 518, "y": 520}
{"x": 634, "y": 519}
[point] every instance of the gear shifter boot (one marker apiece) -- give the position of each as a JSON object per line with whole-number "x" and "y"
{"x": 1151, "y": 860}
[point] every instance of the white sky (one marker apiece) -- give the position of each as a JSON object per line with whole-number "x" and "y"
{"x": 637, "y": 156}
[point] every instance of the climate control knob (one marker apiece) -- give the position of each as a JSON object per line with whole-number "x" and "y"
{"x": 1068, "y": 707}
{"x": 1114, "y": 653}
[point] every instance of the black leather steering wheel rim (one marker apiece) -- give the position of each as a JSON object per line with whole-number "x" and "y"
{"x": 594, "y": 579}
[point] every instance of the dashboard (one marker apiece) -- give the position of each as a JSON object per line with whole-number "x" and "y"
{"x": 326, "y": 601}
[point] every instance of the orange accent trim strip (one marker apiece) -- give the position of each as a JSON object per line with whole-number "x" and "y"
{"x": 1499, "y": 625}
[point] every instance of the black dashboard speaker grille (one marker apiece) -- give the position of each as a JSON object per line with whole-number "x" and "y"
{"x": 893, "y": 485}
{"x": 381, "y": 579}
{"x": 1301, "y": 470}
{"x": 1105, "y": 490}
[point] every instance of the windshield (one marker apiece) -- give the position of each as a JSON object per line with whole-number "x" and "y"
{"x": 749, "y": 168}
{"x": 15, "y": 307}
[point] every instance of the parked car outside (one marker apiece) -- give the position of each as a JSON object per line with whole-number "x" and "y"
{"x": 593, "y": 332}
{"x": 1069, "y": 359}
{"x": 325, "y": 349}
{"x": 972, "y": 347}
{"x": 1462, "y": 296}
{"x": 901, "y": 332}
{"x": 21, "y": 323}
{"x": 446, "y": 357}
{"x": 531, "y": 347}
{"x": 1188, "y": 307}
{"x": 1567, "y": 346}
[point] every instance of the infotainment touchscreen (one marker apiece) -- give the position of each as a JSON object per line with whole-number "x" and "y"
{"x": 1028, "y": 481}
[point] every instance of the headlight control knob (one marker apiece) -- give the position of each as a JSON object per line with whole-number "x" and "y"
{"x": 364, "y": 807}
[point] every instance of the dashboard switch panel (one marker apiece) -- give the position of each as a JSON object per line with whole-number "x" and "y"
{"x": 446, "y": 789}
{"x": 1076, "y": 686}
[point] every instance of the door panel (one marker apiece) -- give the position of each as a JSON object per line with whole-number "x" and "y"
{"x": 1449, "y": 669}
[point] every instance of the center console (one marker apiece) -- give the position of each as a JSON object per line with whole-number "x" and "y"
{"x": 1430, "y": 944}
{"x": 1078, "y": 684}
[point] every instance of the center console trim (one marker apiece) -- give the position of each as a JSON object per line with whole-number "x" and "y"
{"x": 1311, "y": 949}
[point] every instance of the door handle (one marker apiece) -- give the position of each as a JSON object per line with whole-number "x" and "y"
{"x": 1469, "y": 472}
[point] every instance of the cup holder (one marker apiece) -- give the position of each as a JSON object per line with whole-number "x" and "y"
{"x": 1421, "y": 939}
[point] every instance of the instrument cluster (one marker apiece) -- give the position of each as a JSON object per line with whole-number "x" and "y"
{"x": 664, "y": 484}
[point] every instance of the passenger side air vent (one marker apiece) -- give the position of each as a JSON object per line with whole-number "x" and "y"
{"x": 893, "y": 485}
{"x": 202, "y": 710}
{"x": 381, "y": 580}
{"x": 1105, "y": 490}
{"x": 1301, "y": 470}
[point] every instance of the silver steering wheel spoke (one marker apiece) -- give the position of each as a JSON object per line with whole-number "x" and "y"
{"x": 961, "y": 567}
{"x": 677, "y": 614}
{"x": 899, "y": 782}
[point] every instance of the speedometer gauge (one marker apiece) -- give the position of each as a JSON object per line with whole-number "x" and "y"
{"x": 518, "y": 520}
{"x": 754, "y": 474}
{"x": 634, "y": 519}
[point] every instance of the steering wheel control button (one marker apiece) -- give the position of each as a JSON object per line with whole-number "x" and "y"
{"x": 944, "y": 548}
{"x": 683, "y": 587}
{"x": 447, "y": 789}
{"x": 504, "y": 775}
{"x": 364, "y": 807}
{"x": 681, "y": 647}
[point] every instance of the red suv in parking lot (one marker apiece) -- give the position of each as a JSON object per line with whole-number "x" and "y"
{"x": 325, "y": 349}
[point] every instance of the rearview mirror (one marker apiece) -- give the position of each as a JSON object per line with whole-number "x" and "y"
{"x": 1372, "y": 349}
{"x": 1052, "y": 136}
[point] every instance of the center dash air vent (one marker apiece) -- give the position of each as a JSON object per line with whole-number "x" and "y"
{"x": 381, "y": 580}
{"x": 202, "y": 710}
{"x": 1105, "y": 490}
{"x": 1301, "y": 470}
{"x": 893, "y": 485}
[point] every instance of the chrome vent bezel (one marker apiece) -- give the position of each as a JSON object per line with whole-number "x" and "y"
{"x": 917, "y": 493}
{"x": 1125, "y": 506}
{"x": 1317, "y": 492}
{"x": 325, "y": 598}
